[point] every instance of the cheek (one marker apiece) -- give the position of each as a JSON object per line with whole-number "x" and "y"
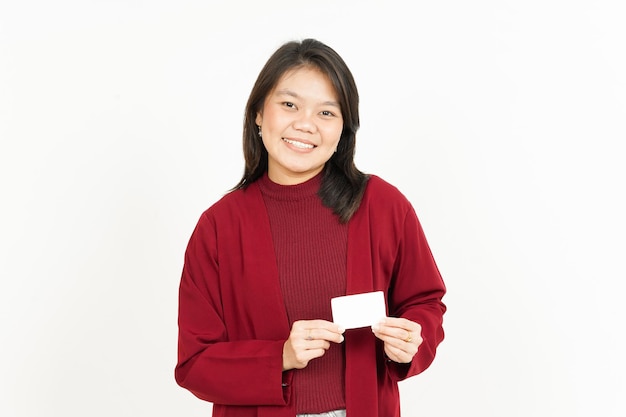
{"x": 267, "y": 144}
{"x": 274, "y": 119}
{"x": 334, "y": 135}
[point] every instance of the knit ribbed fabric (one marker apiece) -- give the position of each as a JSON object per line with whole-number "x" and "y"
{"x": 311, "y": 248}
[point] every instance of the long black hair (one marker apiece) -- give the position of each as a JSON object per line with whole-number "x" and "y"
{"x": 342, "y": 183}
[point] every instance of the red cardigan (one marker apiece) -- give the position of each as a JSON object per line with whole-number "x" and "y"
{"x": 233, "y": 323}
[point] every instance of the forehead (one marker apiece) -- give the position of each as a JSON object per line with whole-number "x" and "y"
{"x": 305, "y": 79}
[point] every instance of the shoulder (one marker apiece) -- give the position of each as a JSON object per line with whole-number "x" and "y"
{"x": 381, "y": 193}
{"x": 233, "y": 205}
{"x": 236, "y": 200}
{"x": 383, "y": 203}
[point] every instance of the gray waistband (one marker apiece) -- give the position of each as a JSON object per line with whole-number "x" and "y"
{"x": 336, "y": 413}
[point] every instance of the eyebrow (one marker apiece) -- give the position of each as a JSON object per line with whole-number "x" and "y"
{"x": 287, "y": 92}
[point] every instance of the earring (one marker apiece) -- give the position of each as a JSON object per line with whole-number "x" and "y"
{"x": 260, "y": 133}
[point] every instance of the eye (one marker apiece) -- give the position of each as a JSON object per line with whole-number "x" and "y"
{"x": 327, "y": 113}
{"x": 289, "y": 104}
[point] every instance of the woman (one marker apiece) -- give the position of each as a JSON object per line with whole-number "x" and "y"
{"x": 304, "y": 225}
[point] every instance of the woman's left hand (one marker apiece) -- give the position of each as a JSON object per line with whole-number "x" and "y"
{"x": 402, "y": 338}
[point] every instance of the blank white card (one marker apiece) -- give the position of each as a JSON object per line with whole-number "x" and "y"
{"x": 358, "y": 310}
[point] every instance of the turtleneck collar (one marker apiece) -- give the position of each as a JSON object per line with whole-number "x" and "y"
{"x": 300, "y": 191}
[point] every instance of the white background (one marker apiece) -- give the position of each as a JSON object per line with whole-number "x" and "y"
{"x": 502, "y": 121}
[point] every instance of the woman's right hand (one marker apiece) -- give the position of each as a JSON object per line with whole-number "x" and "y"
{"x": 309, "y": 339}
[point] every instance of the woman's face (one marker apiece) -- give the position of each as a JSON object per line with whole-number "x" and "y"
{"x": 301, "y": 124}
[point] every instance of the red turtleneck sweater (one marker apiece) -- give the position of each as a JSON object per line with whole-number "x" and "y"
{"x": 311, "y": 249}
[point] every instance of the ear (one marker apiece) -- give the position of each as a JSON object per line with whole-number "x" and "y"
{"x": 259, "y": 119}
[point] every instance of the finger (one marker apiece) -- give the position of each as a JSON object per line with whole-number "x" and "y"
{"x": 324, "y": 325}
{"x": 313, "y": 344}
{"x": 317, "y": 329}
{"x": 399, "y": 355}
{"x": 393, "y": 341}
{"x": 324, "y": 334}
{"x": 303, "y": 357}
{"x": 385, "y": 332}
{"x": 409, "y": 346}
{"x": 400, "y": 328}
{"x": 401, "y": 351}
{"x": 297, "y": 353}
{"x": 400, "y": 323}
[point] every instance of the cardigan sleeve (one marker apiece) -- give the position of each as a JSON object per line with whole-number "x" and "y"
{"x": 210, "y": 365}
{"x": 416, "y": 293}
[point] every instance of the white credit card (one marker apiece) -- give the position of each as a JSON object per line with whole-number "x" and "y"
{"x": 358, "y": 310}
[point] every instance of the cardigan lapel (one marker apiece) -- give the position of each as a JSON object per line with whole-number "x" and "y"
{"x": 261, "y": 257}
{"x": 361, "y": 379}
{"x": 261, "y": 270}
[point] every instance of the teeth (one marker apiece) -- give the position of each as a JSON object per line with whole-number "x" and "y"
{"x": 299, "y": 144}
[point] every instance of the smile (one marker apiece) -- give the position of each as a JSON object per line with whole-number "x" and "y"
{"x": 299, "y": 144}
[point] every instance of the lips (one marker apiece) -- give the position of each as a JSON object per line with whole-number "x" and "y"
{"x": 298, "y": 144}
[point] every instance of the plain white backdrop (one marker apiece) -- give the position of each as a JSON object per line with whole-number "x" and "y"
{"x": 502, "y": 121}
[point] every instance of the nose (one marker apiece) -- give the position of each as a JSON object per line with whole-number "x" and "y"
{"x": 305, "y": 122}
